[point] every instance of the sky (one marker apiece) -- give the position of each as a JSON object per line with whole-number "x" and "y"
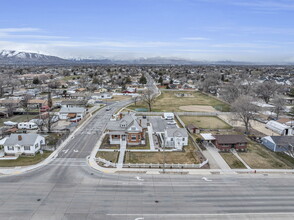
{"x": 202, "y": 30}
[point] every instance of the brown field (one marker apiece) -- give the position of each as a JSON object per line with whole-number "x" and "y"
{"x": 169, "y": 102}
{"x": 258, "y": 157}
{"x": 206, "y": 122}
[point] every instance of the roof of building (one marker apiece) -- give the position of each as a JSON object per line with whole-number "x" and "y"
{"x": 128, "y": 121}
{"x": 37, "y": 101}
{"x": 207, "y": 136}
{"x": 283, "y": 140}
{"x": 191, "y": 126}
{"x": 21, "y": 139}
{"x": 230, "y": 139}
{"x": 276, "y": 126}
{"x": 72, "y": 110}
{"x": 176, "y": 132}
{"x": 74, "y": 102}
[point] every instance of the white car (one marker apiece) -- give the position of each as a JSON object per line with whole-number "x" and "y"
{"x": 171, "y": 122}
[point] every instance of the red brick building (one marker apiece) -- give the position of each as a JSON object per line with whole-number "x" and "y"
{"x": 228, "y": 142}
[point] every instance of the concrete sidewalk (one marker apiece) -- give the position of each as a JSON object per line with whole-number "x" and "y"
{"x": 213, "y": 151}
{"x": 123, "y": 147}
{"x": 237, "y": 155}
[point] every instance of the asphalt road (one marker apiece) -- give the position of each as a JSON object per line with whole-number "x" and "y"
{"x": 68, "y": 188}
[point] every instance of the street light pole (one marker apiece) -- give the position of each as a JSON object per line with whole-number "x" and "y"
{"x": 163, "y": 145}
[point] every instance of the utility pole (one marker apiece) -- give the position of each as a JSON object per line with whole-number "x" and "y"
{"x": 163, "y": 147}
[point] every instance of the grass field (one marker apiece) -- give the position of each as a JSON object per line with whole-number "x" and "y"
{"x": 169, "y": 102}
{"x": 232, "y": 161}
{"x": 25, "y": 160}
{"x": 17, "y": 118}
{"x": 206, "y": 122}
{"x": 258, "y": 157}
{"x": 110, "y": 156}
{"x": 187, "y": 156}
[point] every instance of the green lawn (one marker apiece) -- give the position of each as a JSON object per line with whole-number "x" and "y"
{"x": 206, "y": 122}
{"x": 232, "y": 161}
{"x": 168, "y": 101}
{"x": 25, "y": 160}
{"x": 18, "y": 118}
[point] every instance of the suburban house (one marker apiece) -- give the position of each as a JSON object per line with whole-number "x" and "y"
{"x": 103, "y": 96}
{"x": 71, "y": 112}
{"x": 29, "y": 144}
{"x": 73, "y": 103}
{"x": 279, "y": 128}
{"x": 176, "y": 138}
{"x": 227, "y": 142}
{"x": 36, "y": 103}
{"x": 128, "y": 128}
{"x": 278, "y": 143}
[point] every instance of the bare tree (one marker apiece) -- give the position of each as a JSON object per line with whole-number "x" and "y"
{"x": 10, "y": 108}
{"x": 245, "y": 110}
{"x": 231, "y": 93}
{"x": 148, "y": 98}
{"x": 135, "y": 99}
{"x": 266, "y": 90}
{"x": 279, "y": 104}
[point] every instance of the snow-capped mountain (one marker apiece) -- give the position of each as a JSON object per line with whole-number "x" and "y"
{"x": 12, "y": 56}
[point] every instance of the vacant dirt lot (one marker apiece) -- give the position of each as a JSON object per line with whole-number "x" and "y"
{"x": 197, "y": 108}
{"x": 205, "y": 122}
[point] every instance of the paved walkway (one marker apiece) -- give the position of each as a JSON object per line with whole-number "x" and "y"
{"x": 123, "y": 147}
{"x": 150, "y": 135}
{"x": 217, "y": 157}
{"x": 237, "y": 155}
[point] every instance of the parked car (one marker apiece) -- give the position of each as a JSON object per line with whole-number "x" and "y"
{"x": 76, "y": 119}
{"x": 171, "y": 122}
{"x": 44, "y": 108}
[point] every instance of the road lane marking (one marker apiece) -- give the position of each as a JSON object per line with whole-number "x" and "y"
{"x": 139, "y": 178}
{"x": 205, "y": 179}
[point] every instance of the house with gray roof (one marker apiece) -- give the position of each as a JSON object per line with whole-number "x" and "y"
{"x": 17, "y": 144}
{"x": 128, "y": 128}
{"x": 176, "y": 138}
{"x": 71, "y": 112}
{"x": 278, "y": 143}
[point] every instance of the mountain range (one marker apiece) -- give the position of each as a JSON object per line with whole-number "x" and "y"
{"x": 12, "y": 57}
